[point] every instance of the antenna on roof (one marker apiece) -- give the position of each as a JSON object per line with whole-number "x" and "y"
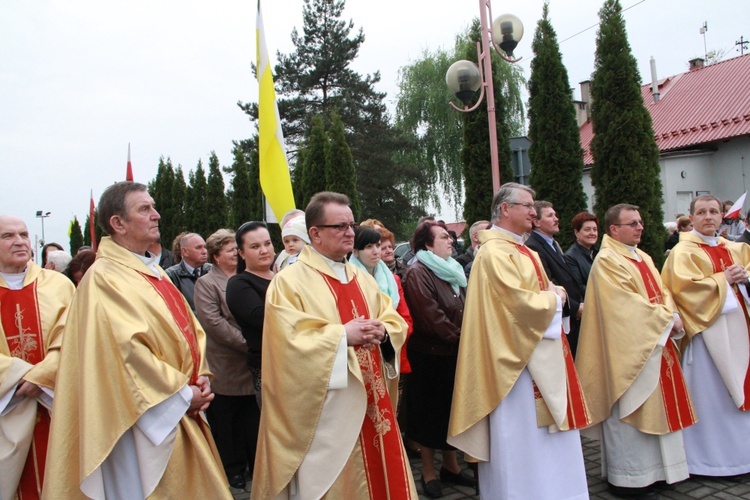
{"x": 743, "y": 45}
{"x": 703, "y": 30}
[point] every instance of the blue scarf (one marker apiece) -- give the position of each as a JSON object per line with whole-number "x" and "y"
{"x": 446, "y": 269}
{"x": 384, "y": 277}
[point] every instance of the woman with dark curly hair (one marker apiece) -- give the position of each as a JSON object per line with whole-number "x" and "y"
{"x": 434, "y": 287}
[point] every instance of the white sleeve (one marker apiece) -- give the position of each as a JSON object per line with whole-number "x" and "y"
{"x": 554, "y": 330}
{"x": 9, "y": 401}
{"x": 730, "y": 304}
{"x": 160, "y": 420}
{"x": 339, "y": 374}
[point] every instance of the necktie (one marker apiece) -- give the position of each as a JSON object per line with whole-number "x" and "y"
{"x": 197, "y": 272}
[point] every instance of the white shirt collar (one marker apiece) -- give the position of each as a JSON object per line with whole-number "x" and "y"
{"x": 711, "y": 240}
{"x": 518, "y": 238}
{"x": 149, "y": 261}
{"x": 15, "y": 280}
{"x": 338, "y": 268}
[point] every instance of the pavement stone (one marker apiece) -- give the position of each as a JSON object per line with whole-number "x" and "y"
{"x": 695, "y": 487}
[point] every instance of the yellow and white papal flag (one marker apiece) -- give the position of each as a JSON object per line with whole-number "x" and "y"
{"x": 275, "y": 180}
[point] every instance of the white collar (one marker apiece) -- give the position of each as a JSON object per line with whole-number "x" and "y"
{"x": 149, "y": 261}
{"x": 711, "y": 240}
{"x": 15, "y": 280}
{"x": 518, "y": 238}
{"x": 338, "y": 268}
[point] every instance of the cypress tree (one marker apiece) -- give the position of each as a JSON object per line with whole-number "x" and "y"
{"x": 340, "y": 174}
{"x": 475, "y": 155}
{"x": 196, "y": 209}
{"x": 626, "y": 157}
{"x": 556, "y": 155}
{"x": 76, "y": 236}
{"x": 161, "y": 190}
{"x": 216, "y": 201}
{"x": 241, "y": 209}
{"x": 178, "y": 199}
{"x": 314, "y": 168}
{"x": 98, "y": 230}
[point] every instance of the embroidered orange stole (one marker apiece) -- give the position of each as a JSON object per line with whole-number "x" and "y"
{"x": 677, "y": 406}
{"x": 578, "y": 416}
{"x": 380, "y": 440}
{"x": 174, "y": 301}
{"x": 22, "y": 325}
{"x": 720, "y": 260}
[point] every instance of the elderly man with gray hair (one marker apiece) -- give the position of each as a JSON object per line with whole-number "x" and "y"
{"x": 516, "y": 384}
{"x": 191, "y": 267}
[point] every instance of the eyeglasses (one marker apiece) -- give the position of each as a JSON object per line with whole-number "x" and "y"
{"x": 340, "y": 227}
{"x": 633, "y": 224}
{"x": 527, "y": 206}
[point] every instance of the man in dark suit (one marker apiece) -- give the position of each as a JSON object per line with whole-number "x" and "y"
{"x": 552, "y": 256}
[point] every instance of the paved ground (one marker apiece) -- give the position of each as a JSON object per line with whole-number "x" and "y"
{"x": 695, "y": 487}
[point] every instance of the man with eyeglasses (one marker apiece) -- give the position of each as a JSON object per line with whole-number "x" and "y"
{"x": 330, "y": 351}
{"x": 516, "y": 386}
{"x": 629, "y": 364}
{"x": 708, "y": 278}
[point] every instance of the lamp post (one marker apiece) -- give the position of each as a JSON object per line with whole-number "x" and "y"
{"x": 41, "y": 214}
{"x": 464, "y": 77}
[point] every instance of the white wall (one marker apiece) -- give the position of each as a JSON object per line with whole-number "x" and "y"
{"x": 723, "y": 172}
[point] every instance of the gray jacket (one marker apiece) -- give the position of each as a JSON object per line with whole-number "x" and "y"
{"x": 185, "y": 281}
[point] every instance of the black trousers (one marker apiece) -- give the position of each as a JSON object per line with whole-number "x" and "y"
{"x": 234, "y": 424}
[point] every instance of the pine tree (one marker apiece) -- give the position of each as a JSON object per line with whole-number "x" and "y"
{"x": 317, "y": 79}
{"x": 314, "y": 168}
{"x": 626, "y": 168}
{"x": 475, "y": 156}
{"x": 216, "y": 201}
{"x": 196, "y": 209}
{"x": 76, "y": 236}
{"x": 556, "y": 155}
{"x": 340, "y": 174}
{"x": 241, "y": 209}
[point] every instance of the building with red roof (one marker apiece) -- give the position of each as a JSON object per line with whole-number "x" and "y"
{"x": 701, "y": 121}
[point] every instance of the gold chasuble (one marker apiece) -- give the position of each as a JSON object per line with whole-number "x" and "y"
{"x": 30, "y": 336}
{"x": 130, "y": 344}
{"x": 695, "y": 275}
{"x": 508, "y": 311}
{"x": 627, "y": 310}
{"x": 314, "y": 440}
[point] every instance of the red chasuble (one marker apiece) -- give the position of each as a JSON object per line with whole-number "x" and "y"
{"x": 679, "y": 410}
{"x": 577, "y": 414}
{"x": 22, "y": 325}
{"x": 721, "y": 259}
{"x": 380, "y": 439}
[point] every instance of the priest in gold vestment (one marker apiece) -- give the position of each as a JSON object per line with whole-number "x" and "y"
{"x": 707, "y": 276}
{"x": 629, "y": 365}
{"x": 133, "y": 378}
{"x": 32, "y": 304}
{"x": 517, "y": 401}
{"x": 331, "y": 344}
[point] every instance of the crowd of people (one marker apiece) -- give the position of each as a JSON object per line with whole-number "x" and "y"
{"x": 137, "y": 372}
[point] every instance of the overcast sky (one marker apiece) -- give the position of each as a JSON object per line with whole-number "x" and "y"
{"x": 80, "y": 79}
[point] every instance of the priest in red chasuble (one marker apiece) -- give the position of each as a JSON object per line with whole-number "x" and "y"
{"x": 517, "y": 401}
{"x": 331, "y": 343}
{"x": 707, "y": 276}
{"x": 629, "y": 364}
{"x": 32, "y": 302}
{"x": 133, "y": 377}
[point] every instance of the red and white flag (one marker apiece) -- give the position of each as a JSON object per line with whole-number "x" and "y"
{"x": 129, "y": 173}
{"x": 734, "y": 212}
{"x": 92, "y": 221}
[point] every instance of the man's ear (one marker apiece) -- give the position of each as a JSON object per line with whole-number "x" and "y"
{"x": 117, "y": 224}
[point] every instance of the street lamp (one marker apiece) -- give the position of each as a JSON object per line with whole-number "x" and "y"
{"x": 41, "y": 214}
{"x": 464, "y": 77}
